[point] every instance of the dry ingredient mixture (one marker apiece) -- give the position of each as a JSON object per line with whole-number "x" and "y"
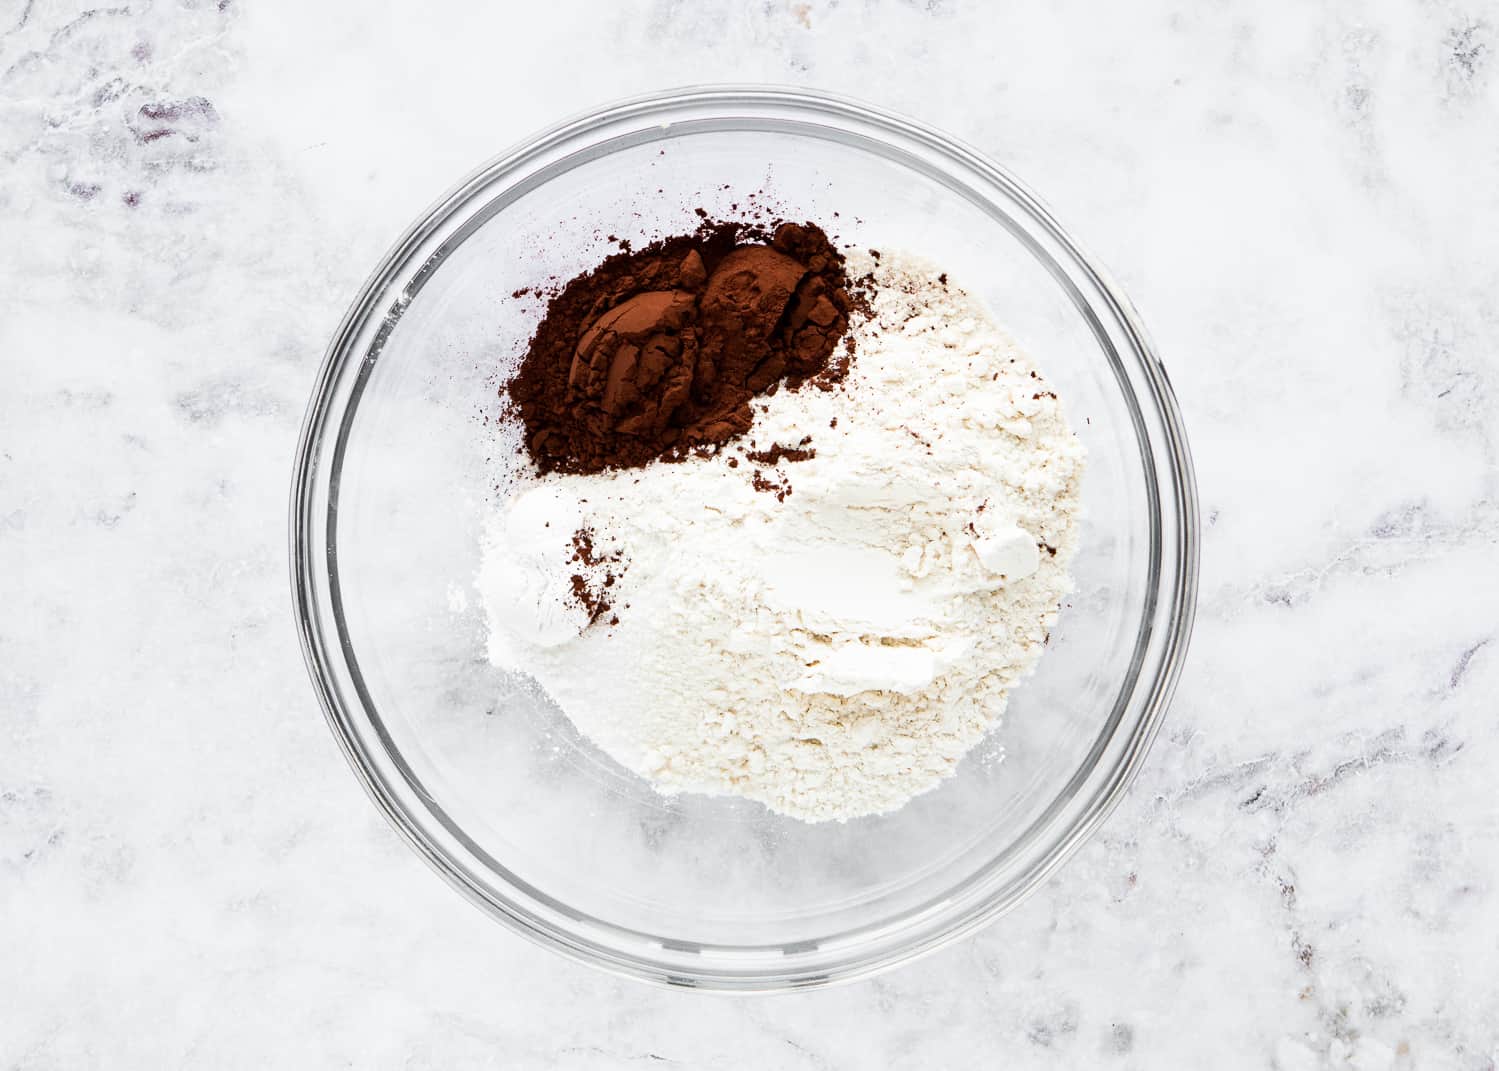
{"x": 813, "y": 584}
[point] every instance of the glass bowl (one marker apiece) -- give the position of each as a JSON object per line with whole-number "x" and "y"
{"x": 482, "y": 774}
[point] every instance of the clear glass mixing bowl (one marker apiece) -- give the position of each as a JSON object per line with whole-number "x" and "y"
{"x": 490, "y": 782}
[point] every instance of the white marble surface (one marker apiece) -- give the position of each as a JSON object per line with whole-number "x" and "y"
{"x": 1304, "y": 203}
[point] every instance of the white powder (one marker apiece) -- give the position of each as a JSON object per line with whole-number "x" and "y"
{"x": 836, "y": 653}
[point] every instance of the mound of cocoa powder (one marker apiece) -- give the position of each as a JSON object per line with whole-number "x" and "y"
{"x": 657, "y": 352}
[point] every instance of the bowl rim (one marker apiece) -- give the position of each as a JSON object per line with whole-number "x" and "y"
{"x": 314, "y": 571}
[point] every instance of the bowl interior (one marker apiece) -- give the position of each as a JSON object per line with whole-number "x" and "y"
{"x": 424, "y": 451}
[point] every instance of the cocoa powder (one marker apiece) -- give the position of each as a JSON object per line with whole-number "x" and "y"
{"x": 777, "y": 453}
{"x": 590, "y": 587}
{"x": 657, "y": 352}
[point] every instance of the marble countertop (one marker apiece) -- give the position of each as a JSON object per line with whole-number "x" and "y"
{"x": 1305, "y": 207}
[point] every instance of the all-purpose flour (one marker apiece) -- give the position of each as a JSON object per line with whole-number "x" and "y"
{"x": 828, "y": 635}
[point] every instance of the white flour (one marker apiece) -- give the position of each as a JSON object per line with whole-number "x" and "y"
{"x": 836, "y": 653}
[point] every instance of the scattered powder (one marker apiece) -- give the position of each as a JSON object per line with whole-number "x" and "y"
{"x": 829, "y": 612}
{"x": 595, "y": 576}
